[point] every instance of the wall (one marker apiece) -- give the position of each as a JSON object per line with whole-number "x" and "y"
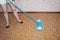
{"x": 39, "y": 5}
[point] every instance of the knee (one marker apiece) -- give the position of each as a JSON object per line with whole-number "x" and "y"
{"x": 14, "y": 10}
{"x": 5, "y": 11}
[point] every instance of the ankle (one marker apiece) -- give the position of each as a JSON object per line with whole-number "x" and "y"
{"x": 7, "y": 24}
{"x": 19, "y": 20}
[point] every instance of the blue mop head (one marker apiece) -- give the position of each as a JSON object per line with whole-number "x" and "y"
{"x": 39, "y": 25}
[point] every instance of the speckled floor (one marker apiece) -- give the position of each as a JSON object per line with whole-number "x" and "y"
{"x": 27, "y": 30}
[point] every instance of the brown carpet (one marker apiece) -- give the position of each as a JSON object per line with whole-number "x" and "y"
{"x": 27, "y": 30}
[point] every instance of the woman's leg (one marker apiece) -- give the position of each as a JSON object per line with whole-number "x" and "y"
{"x": 15, "y": 13}
{"x": 5, "y": 14}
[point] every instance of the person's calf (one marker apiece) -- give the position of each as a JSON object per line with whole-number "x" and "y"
{"x": 16, "y": 15}
{"x": 6, "y": 18}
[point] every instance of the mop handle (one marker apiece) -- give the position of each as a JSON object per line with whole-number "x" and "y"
{"x": 19, "y": 8}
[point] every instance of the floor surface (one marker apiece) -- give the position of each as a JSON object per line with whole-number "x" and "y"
{"x": 27, "y": 30}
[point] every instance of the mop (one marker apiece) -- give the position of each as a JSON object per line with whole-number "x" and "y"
{"x": 38, "y": 22}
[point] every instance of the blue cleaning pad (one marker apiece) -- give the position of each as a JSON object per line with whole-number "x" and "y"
{"x": 39, "y": 25}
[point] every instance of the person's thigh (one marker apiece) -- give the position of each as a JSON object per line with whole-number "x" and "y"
{"x": 13, "y": 7}
{"x": 4, "y": 7}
